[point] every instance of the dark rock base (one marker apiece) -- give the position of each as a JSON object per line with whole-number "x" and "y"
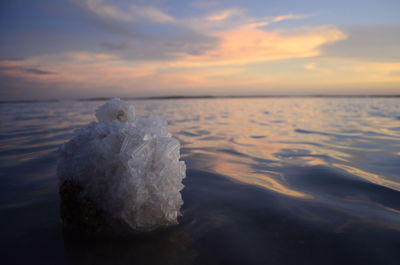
{"x": 78, "y": 211}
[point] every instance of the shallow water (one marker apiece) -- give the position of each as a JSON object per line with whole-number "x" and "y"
{"x": 269, "y": 181}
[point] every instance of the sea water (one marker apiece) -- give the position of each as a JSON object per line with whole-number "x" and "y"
{"x": 269, "y": 181}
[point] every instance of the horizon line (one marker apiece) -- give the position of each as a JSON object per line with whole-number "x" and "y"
{"x": 202, "y": 97}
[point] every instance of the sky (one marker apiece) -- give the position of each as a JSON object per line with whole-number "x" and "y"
{"x": 136, "y": 48}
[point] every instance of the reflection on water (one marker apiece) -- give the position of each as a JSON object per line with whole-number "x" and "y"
{"x": 252, "y": 140}
{"x": 308, "y": 174}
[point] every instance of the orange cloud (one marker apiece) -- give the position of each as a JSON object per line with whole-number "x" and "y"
{"x": 249, "y": 44}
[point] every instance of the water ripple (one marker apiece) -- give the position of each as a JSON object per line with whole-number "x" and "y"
{"x": 340, "y": 154}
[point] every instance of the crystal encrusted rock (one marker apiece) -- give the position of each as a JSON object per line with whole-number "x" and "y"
{"x": 122, "y": 171}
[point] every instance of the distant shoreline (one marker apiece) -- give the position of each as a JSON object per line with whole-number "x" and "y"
{"x": 199, "y": 97}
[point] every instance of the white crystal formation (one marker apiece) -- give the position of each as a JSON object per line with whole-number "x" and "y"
{"x": 129, "y": 166}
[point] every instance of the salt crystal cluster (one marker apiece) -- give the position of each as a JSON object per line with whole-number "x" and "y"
{"x": 126, "y": 166}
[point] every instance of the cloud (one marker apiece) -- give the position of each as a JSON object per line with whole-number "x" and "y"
{"x": 86, "y": 57}
{"x": 130, "y": 13}
{"x": 287, "y": 17}
{"x": 310, "y": 66}
{"x": 37, "y": 71}
{"x": 22, "y": 68}
{"x": 160, "y": 48}
{"x": 225, "y": 14}
{"x": 250, "y": 44}
{"x": 152, "y": 14}
{"x": 145, "y": 32}
{"x": 235, "y": 43}
{"x": 194, "y": 38}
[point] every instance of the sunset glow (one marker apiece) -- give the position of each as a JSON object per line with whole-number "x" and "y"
{"x": 123, "y": 48}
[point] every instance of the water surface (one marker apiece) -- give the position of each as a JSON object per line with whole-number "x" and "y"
{"x": 269, "y": 181}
